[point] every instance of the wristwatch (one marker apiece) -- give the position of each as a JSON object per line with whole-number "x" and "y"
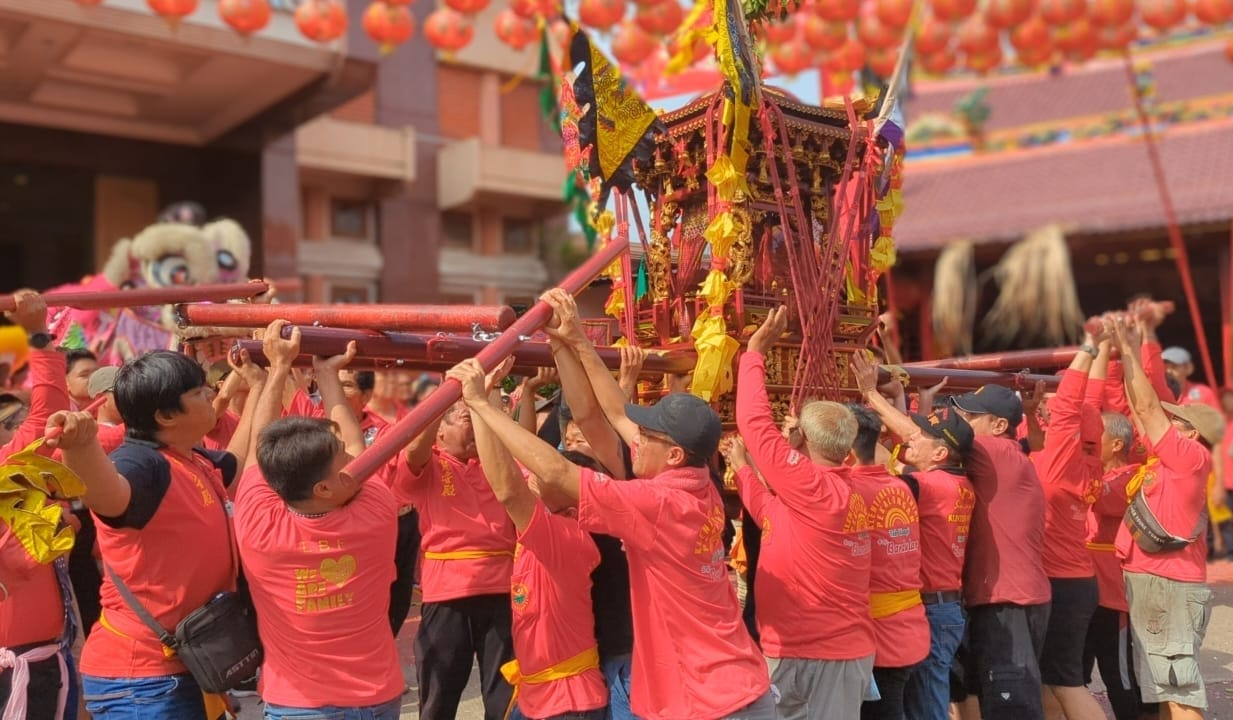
{"x": 1089, "y": 350}
{"x": 40, "y": 341}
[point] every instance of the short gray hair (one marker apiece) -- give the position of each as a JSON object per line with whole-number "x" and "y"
{"x": 829, "y": 429}
{"x": 1118, "y": 427}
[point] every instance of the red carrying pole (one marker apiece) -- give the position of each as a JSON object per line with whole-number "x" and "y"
{"x": 141, "y": 297}
{"x": 444, "y": 352}
{"x": 1044, "y": 358}
{"x": 964, "y": 380}
{"x": 423, "y": 318}
{"x": 393, "y": 440}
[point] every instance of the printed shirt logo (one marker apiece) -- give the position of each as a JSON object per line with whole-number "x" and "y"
{"x": 856, "y": 526}
{"x": 447, "y": 478}
{"x": 520, "y": 597}
{"x": 322, "y": 584}
{"x": 894, "y": 513}
{"x": 709, "y": 545}
{"x": 960, "y": 519}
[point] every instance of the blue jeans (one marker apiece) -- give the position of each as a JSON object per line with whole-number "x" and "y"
{"x": 148, "y": 698}
{"x": 582, "y": 715}
{"x": 616, "y": 674}
{"x": 927, "y": 693}
{"x": 388, "y": 711}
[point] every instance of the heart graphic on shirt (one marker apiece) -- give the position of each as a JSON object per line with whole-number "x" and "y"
{"x": 337, "y": 572}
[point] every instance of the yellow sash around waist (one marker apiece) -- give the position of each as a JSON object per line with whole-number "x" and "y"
{"x": 1102, "y": 547}
{"x": 889, "y": 603}
{"x": 586, "y": 660}
{"x": 466, "y": 554}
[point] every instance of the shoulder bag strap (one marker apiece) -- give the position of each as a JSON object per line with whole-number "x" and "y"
{"x": 142, "y": 613}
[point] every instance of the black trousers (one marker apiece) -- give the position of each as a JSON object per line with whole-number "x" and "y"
{"x": 891, "y": 682}
{"x": 1110, "y": 647}
{"x": 43, "y": 690}
{"x": 1003, "y": 660}
{"x": 452, "y": 635}
{"x": 406, "y": 554}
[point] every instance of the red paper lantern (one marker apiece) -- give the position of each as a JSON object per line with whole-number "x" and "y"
{"x": 938, "y": 63}
{"x": 882, "y": 62}
{"x": 601, "y": 14}
{"x": 701, "y": 49}
{"x": 953, "y": 10}
{"x": 468, "y": 7}
{"x": 791, "y": 57}
{"x": 631, "y": 44}
{"x": 1032, "y": 35}
{"x": 173, "y": 11}
{"x": 245, "y": 16}
{"x": 848, "y": 58}
{"x": 524, "y": 8}
{"x": 447, "y": 29}
{"x": 1078, "y": 39}
{"x": 1004, "y": 14}
{"x": 976, "y": 37}
{"x": 513, "y": 30}
{"x": 932, "y": 36}
{"x": 1034, "y": 57}
{"x": 985, "y": 61}
{"x": 1060, "y": 12}
{"x": 821, "y": 34}
{"x": 779, "y": 31}
{"x": 661, "y": 19}
{"x": 1116, "y": 37}
{"x": 388, "y": 25}
{"x": 876, "y": 34}
{"x": 1162, "y": 14}
{"x": 894, "y": 13}
{"x": 837, "y": 10}
{"x": 1111, "y": 12}
{"x": 1213, "y": 12}
{"x": 321, "y": 20}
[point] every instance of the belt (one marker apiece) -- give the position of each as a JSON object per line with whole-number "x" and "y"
{"x": 885, "y": 604}
{"x": 1102, "y": 547}
{"x": 19, "y": 663}
{"x": 466, "y": 554}
{"x": 582, "y": 662}
{"x": 937, "y": 597}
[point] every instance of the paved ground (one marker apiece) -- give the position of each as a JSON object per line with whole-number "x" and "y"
{"x": 1217, "y": 660}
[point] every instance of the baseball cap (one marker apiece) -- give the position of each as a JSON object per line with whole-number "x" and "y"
{"x": 686, "y": 418}
{"x": 1207, "y": 420}
{"x": 946, "y": 425}
{"x": 1175, "y": 355}
{"x": 103, "y": 380}
{"x": 992, "y": 400}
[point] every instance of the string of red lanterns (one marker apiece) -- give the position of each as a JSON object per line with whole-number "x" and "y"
{"x": 838, "y": 36}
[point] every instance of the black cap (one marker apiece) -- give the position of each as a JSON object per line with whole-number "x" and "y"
{"x": 946, "y": 425}
{"x": 992, "y": 400}
{"x": 685, "y": 418}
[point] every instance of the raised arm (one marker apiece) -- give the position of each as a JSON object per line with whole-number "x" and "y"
{"x": 269, "y": 407}
{"x": 107, "y": 492}
{"x": 608, "y": 394}
{"x": 500, "y": 470}
{"x": 1099, "y": 373}
{"x": 335, "y": 402}
{"x": 530, "y": 392}
{"x": 1144, "y": 403}
{"x": 866, "y": 375}
{"x": 247, "y": 372}
{"x": 765, "y": 441}
{"x": 554, "y": 471}
{"x": 50, "y": 394}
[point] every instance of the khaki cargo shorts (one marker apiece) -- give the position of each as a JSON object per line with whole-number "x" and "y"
{"x": 1168, "y": 619}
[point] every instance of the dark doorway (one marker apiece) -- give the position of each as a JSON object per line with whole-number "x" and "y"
{"x": 46, "y": 226}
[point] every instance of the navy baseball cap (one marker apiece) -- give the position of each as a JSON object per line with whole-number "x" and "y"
{"x": 686, "y": 418}
{"x": 946, "y": 425}
{"x": 992, "y": 400}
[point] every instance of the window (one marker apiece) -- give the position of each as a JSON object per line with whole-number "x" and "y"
{"x": 458, "y": 230}
{"x": 350, "y": 294}
{"x": 518, "y": 237}
{"x": 349, "y": 219}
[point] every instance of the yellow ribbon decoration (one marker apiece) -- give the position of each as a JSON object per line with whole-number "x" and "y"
{"x": 466, "y": 554}
{"x": 582, "y": 662}
{"x": 716, "y": 349}
{"x": 721, "y": 233}
{"x": 882, "y": 256}
{"x": 28, "y": 483}
{"x": 1136, "y": 482}
{"x": 686, "y": 37}
{"x": 882, "y": 605}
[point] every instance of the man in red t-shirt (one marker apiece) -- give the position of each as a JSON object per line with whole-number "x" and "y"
{"x": 318, "y": 552}
{"x": 1005, "y": 587}
{"x": 1069, "y": 469}
{"x": 934, "y": 446}
{"x": 812, "y": 589}
{"x": 1109, "y": 643}
{"x": 1162, "y": 541}
{"x": 693, "y": 658}
{"x": 1180, "y": 366}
